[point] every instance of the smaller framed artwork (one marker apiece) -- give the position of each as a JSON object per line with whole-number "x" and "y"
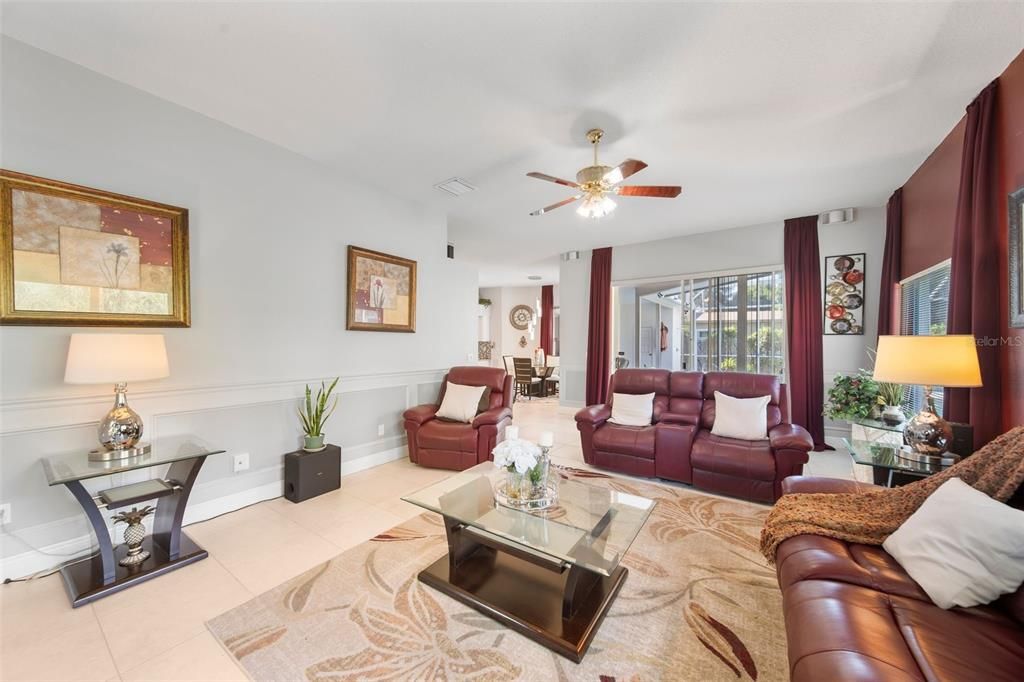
{"x": 72, "y": 256}
{"x": 1016, "y": 270}
{"x": 381, "y": 292}
{"x": 844, "y": 294}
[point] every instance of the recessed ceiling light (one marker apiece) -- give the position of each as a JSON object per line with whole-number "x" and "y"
{"x": 534, "y": 277}
{"x": 455, "y": 186}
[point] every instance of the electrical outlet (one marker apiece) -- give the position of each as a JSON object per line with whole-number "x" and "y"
{"x": 241, "y": 462}
{"x": 471, "y": 356}
{"x": 380, "y": 429}
{"x": 5, "y": 514}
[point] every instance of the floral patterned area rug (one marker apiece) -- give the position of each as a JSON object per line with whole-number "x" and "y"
{"x": 700, "y": 603}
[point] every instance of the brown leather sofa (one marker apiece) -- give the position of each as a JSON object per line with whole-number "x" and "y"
{"x": 854, "y": 615}
{"x": 679, "y": 445}
{"x": 451, "y": 445}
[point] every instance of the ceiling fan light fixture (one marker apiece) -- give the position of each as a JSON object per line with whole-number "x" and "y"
{"x": 596, "y": 206}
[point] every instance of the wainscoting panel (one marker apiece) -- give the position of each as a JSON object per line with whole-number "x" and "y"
{"x": 48, "y": 526}
{"x": 427, "y": 393}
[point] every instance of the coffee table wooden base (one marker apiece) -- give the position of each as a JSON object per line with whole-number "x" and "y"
{"x": 560, "y": 609}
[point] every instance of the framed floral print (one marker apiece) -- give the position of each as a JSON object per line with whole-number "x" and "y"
{"x": 381, "y": 292}
{"x": 76, "y": 256}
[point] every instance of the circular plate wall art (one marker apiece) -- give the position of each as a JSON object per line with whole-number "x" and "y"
{"x": 520, "y": 317}
{"x": 844, "y": 294}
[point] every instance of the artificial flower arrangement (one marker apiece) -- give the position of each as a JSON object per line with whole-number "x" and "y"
{"x": 515, "y": 454}
{"x": 527, "y": 465}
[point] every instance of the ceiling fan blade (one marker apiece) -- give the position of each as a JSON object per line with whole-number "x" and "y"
{"x": 661, "y": 191}
{"x": 624, "y": 170}
{"x": 551, "y": 178}
{"x": 552, "y": 207}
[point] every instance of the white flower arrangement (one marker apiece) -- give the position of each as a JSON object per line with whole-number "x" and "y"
{"x": 516, "y": 454}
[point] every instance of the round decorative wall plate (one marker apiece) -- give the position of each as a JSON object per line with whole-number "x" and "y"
{"x": 520, "y": 317}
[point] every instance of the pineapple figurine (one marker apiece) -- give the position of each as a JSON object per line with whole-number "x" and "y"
{"x": 134, "y": 534}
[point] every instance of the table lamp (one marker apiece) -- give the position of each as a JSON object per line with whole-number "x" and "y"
{"x": 950, "y": 361}
{"x": 117, "y": 359}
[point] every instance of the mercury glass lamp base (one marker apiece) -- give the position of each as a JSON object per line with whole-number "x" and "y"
{"x": 104, "y": 455}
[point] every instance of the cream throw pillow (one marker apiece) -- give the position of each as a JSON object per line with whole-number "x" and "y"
{"x": 962, "y": 547}
{"x": 460, "y": 402}
{"x": 741, "y": 418}
{"x": 632, "y": 410}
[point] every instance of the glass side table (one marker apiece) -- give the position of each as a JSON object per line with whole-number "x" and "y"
{"x": 885, "y": 458}
{"x": 105, "y": 572}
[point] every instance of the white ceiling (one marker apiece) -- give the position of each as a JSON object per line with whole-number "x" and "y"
{"x": 760, "y": 111}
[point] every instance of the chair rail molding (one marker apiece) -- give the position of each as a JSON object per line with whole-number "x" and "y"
{"x": 43, "y": 413}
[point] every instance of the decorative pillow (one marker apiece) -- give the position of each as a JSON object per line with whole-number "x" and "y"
{"x": 962, "y": 547}
{"x": 460, "y": 403}
{"x": 742, "y": 418}
{"x": 629, "y": 409}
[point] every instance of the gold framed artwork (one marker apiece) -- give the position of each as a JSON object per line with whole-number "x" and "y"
{"x": 76, "y": 256}
{"x": 381, "y": 292}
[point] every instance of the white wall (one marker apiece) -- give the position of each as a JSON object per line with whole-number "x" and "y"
{"x": 503, "y": 334}
{"x": 845, "y": 354}
{"x": 739, "y": 248}
{"x": 574, "y": 288}
{"x": 268, "y": 232}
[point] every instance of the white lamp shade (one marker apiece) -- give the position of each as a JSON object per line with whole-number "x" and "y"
{"x": 950, "y": 361}
{"x": 115, "y": 358}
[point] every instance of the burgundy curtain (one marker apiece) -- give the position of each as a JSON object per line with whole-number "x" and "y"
{"x": 804, "y": 316}
{"x": 974, "y": 273}
{"x": 547, "y": 314}
{"x": 599, "y": 333}
{"x": 891, "y": 263}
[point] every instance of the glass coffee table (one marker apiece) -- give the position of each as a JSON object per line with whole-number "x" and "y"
{"x": 550, "y": 575}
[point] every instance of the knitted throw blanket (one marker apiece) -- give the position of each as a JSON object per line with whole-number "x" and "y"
{"x": 870, "y": 517}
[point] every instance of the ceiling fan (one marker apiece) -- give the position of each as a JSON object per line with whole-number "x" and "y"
{"x": 597, "y": 182}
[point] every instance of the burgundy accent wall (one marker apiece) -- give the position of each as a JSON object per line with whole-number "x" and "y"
{"x": 929, "y": 212}
{"x": 1010, "y": 176}
{"x": 929, "y": 205}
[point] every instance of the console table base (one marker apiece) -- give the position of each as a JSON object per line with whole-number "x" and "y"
{"x": 526, "y": 597}
{"x": 83, "y": 579}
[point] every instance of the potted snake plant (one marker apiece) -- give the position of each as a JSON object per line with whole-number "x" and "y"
{"x": 314, "y": 412}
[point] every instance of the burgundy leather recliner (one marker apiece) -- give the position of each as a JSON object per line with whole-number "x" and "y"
{"x": 451, "y": 445}
{"x": 853, "y": 614}
{"x": 679, "y": 446}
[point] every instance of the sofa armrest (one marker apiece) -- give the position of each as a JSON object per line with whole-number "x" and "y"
{"x": 680, "y": 419}
{"x": 790, "y": 437}
{"x": 421, "y": 413}
{"x": 822, "y": 484}
{"x": 595, "y": 415}
{"x": 492, "y": 416}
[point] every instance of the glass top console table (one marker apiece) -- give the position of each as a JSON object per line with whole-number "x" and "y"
{"x": 551, "y": 575}
{"x": 886, "y": 457}
{"x": 108, "y": 571}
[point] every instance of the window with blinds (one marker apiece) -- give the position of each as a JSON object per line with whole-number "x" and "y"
{"x": 924, "y": 300}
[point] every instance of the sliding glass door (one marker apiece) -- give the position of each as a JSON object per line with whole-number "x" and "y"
{"x": 734, "y": 323}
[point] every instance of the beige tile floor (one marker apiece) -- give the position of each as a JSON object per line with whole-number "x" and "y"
{"x": 156, "y": 631}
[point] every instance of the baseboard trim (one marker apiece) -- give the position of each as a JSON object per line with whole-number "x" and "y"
{"x": 32, "y": 561}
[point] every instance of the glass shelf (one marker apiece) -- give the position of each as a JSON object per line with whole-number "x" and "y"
{"x": 76, "y": 466}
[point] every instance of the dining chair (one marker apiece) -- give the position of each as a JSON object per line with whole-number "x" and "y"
{"x": 526, "y": 383}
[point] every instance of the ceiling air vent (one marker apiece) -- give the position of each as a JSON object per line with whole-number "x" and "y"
{"x": 455, "y": 186}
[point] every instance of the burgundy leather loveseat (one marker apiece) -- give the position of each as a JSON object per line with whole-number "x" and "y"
{"x": 854, "y": 615}
{"x": 679, "y": 446}
{"x": 452, "y": 445}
